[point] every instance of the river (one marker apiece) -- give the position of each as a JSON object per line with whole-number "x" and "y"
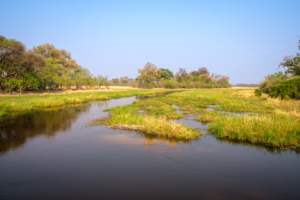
{"x": 52, "y": 154}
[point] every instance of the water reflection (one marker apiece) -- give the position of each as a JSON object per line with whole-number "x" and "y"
{"x": 17, "y": 128}
{"x": 259, "y": 147}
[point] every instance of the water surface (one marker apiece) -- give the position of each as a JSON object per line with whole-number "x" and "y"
{"x": 51, "y": 154}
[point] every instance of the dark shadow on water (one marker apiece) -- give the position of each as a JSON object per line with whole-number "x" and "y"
{"x": 17, "y": 128}
{"x": 260, "y": 147}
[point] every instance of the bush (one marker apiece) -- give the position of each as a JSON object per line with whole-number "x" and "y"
{"x": 286, "y": 89}
{"x": 209, "y": 85}
{"x": 272, "y": 79}
{"x": 149, "y": 85}
{"x": 169, "y": 85}
{"x": 257, "y": 92}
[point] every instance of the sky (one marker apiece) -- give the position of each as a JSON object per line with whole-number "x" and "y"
{"x": 245, "y": 40}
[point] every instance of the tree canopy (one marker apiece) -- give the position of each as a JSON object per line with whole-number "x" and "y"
{"x": 292, "y": 64}
{"x": 149, "y": 74}
{"x": 166, "y": 74}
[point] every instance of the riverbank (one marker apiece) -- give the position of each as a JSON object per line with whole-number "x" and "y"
{"x": 31, "y": 102}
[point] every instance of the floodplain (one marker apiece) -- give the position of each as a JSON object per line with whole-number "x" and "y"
{"x": 175, "y": 143}
{"x": 236, "y": 114}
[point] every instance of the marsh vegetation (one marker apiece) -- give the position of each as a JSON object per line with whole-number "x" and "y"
{"x": 235, "y": 114}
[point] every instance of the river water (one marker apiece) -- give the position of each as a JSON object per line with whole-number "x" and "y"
{"x": 52, "y": 154}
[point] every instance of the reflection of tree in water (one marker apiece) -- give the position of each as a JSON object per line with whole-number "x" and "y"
{"x": 260, "y": 147}
{"x": 101, "y": 103}
{"x": 17, "y": 128}
{"x": 155, "y": 95}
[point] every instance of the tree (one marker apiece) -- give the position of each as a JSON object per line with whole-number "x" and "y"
{"x": 292, "y": 64}
{"x": 203, "y": 70}
{"x": 195, "y": 73}
{"x": 206, "y": 78}
{"x": 115, "y": 81}
{"x": 47, "y": 75}
{"x": 149, "y": 74}
{"x": 223, "y": 80}
{"x": 102, "y": 81}
{"x": 15, "y": 60}
{"x": 181, "y": 74}
{"x": 166, "y": 74}
{"x": 25, "y": 81}
{"x": 56, "y": 56}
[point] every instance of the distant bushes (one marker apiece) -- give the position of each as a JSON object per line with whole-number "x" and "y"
{"x": 286, "y": 89}
{"x": 151, "y": 76}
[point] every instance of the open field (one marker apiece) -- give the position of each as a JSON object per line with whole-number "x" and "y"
{"x": 30, "y": 102}
{"x": 102, "y": 89}
{"x": 234, "y": 114}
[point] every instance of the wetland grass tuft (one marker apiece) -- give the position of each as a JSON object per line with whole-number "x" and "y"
{"x": 274, "y": 130}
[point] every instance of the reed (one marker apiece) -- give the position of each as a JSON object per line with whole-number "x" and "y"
{"x": 275, "y": 130}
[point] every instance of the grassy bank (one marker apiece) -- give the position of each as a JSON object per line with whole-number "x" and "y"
{"x": 30, "y": 102}
{"x": 235, "y": 114}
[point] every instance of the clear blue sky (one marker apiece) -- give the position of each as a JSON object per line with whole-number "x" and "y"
{"x": 245, "y": 40}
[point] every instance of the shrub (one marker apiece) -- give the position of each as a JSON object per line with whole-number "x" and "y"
{"x": 169, "y": 85}
{"x": 209, "y": 85}
{"x": 272, "y": 79}
{"x": 286, "y": 89}
{"x": 257, "y": 92}
{"x": 149, "y": 85}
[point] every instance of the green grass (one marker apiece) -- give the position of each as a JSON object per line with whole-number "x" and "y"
{"x": 274, "y": 130}
{"x": 30, "y": 102}
{"x": 156, "y": 120}
{"x": 278, "y": 123}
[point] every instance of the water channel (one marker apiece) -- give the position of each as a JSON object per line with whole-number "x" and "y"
{"x": 52, "y": 154}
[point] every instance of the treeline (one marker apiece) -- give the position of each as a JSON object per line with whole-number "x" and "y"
{"x": 150, "y": 76}
{"x": 45, "y": 67}
{"x": 285, "y": 85}
{"x": 40, "y": 68}
{"x": 246, "y": 85}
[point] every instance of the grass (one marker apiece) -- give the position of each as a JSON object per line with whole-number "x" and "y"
{"x": 277, "y": 123}
{"x": 156, "y": 120}
{"x": 30, "y": 102}
{"x": 274, "y": 130}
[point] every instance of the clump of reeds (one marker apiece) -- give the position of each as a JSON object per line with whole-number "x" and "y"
{"x": 208, "y": 116}
{"x": 169, "y": 129}
{"x": 275, "y": 130}
{"x": 149, "y": 125}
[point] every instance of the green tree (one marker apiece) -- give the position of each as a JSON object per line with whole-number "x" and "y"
{"x": 166, "y": 73}
{"x": 56, "y": 56}
{"x": 203, "y": 70}
{"x": 292, "y": 64}
{"x": 16, "y": 61}
{"x": 26, "y": 81}
{"x": 149, "y": 74}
